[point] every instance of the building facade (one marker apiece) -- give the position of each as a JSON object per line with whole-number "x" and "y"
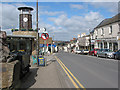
{"x": 106, "y": 33}
{"x": 83, "y": 42}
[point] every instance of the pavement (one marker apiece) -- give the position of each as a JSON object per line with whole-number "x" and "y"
{"x": 50, "y": 76}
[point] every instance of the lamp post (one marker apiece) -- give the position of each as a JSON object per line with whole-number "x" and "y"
{"x": 37, "y": 33}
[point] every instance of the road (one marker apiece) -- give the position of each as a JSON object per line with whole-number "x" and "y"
{"x": 90, "y": 71}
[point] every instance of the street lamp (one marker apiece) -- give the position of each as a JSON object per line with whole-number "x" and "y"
{"x": 37, "y": 33}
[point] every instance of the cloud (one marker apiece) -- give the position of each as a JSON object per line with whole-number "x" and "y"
{"x": 71, "y": 27}
{"x": 109, "y": 6}
{"x": 92, "y": 16}
{"x": 9, "y": 16}
{"x": 51, "y": 13}
{"x": 61, "y": 0}
{"x": 63, "y": 27}
{"x": 76, "y": 6}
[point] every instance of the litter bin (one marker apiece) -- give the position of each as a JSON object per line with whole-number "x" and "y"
{"x": 41, "y": 61}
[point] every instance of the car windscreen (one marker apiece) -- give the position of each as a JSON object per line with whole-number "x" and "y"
{"x": 108, "y": 50}
{"x": 97, "y": 49}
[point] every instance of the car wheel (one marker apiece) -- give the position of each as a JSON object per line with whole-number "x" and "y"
{"x": 106, "y": 56}
{"x": 97, "y": 55}
{"x": 115, "y": 57}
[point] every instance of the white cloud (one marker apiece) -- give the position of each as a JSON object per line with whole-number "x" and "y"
{"x": 110, "y": 6}
{"x": 92, "y": 16}
{"x": 9, "y": 16}
{"x": 76, "y": 6}
{"x": 51, "y": 13}
{"x": 71, "y": 27}
{"x": 61, "y": 1}
{"x": 64, "y": 28}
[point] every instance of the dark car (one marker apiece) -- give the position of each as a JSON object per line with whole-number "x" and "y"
{"x": 93, "y": 52}
{"x": 117, "y": 54}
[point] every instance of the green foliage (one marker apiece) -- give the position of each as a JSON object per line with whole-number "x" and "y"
{"x": 36, "y": 30}
{"x": 30, "y": 29}
{"x": 14, "y": 30}
{"x": 23, "y": 29}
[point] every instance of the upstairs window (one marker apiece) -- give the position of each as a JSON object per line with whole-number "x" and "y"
{"x": 119, "y": 27}
{"x": 96, "y": 32}
{"x": 110, "y": 30}
{"x": 102, "y": 31}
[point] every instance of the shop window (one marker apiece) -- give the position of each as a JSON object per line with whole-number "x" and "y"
{"x": 101, "y": 45}
{"x": 98, "y": 45}
{"x": 105, "y": 44}
{"x": 115, "y": 46}
{"x": 110, "y": 46}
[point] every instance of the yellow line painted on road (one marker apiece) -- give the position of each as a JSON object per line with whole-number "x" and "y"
{"x": 71, "y": 74}
{"x": 76, "y": 86}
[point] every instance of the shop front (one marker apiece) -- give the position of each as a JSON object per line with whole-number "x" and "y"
{"x": 111, "y": 44}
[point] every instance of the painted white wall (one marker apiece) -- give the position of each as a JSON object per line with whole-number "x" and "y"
{"x": 115, "y": 30}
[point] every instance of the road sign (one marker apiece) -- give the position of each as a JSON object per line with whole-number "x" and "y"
{"x": 45, "y": 36}
{"x": 41, "y": 30}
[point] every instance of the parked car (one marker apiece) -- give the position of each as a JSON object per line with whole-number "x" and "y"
{"x": 86, "y": 51}
{"x": 77, "y": 51}
{"x": 117, "y": 54}
{"x": 107, "y": 53}
{"x": 93, "y": 52}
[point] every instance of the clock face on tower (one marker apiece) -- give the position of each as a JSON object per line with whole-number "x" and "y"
{"x": 25, "y": 19}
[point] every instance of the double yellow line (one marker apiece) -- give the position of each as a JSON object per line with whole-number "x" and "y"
{"x": 69, "y": 74}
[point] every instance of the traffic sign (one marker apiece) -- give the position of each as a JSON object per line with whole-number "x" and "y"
{"x": 44, "y": 36}
{"x": 41, "y": 30}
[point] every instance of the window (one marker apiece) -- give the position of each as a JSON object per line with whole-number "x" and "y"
{"x": 102, "y": 31}
{"x": 119, "y": 27}
{"x": 96, "y": 32}
{"x": 110, "y": 30}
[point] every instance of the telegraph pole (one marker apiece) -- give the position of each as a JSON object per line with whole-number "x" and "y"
{"x": 37, "y": 33}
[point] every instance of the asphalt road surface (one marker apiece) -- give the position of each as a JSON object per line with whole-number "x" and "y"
{"x": 90, "y": 71}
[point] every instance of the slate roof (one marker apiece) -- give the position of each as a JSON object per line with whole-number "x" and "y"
{"x": 108, "y": 21}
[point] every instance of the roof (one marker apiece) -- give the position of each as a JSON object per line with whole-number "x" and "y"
{"x": 21, "y": 8}
{"x": 108, "y": 21}
{"x": 92, "y": 31}
{"x": 23, "y": 36}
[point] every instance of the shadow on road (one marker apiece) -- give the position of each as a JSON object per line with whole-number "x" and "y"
{"x": 50, "y": 61}
{"x": 29, "y": 78}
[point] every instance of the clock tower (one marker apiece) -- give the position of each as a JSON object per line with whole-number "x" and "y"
{"x": 25, "y": 18}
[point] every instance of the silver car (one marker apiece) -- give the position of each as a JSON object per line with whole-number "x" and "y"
{"x": 77, "y": 51}
{"x": 107, "y": 53}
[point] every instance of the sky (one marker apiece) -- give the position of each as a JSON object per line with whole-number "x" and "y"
{"x": 63, "y": 20}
